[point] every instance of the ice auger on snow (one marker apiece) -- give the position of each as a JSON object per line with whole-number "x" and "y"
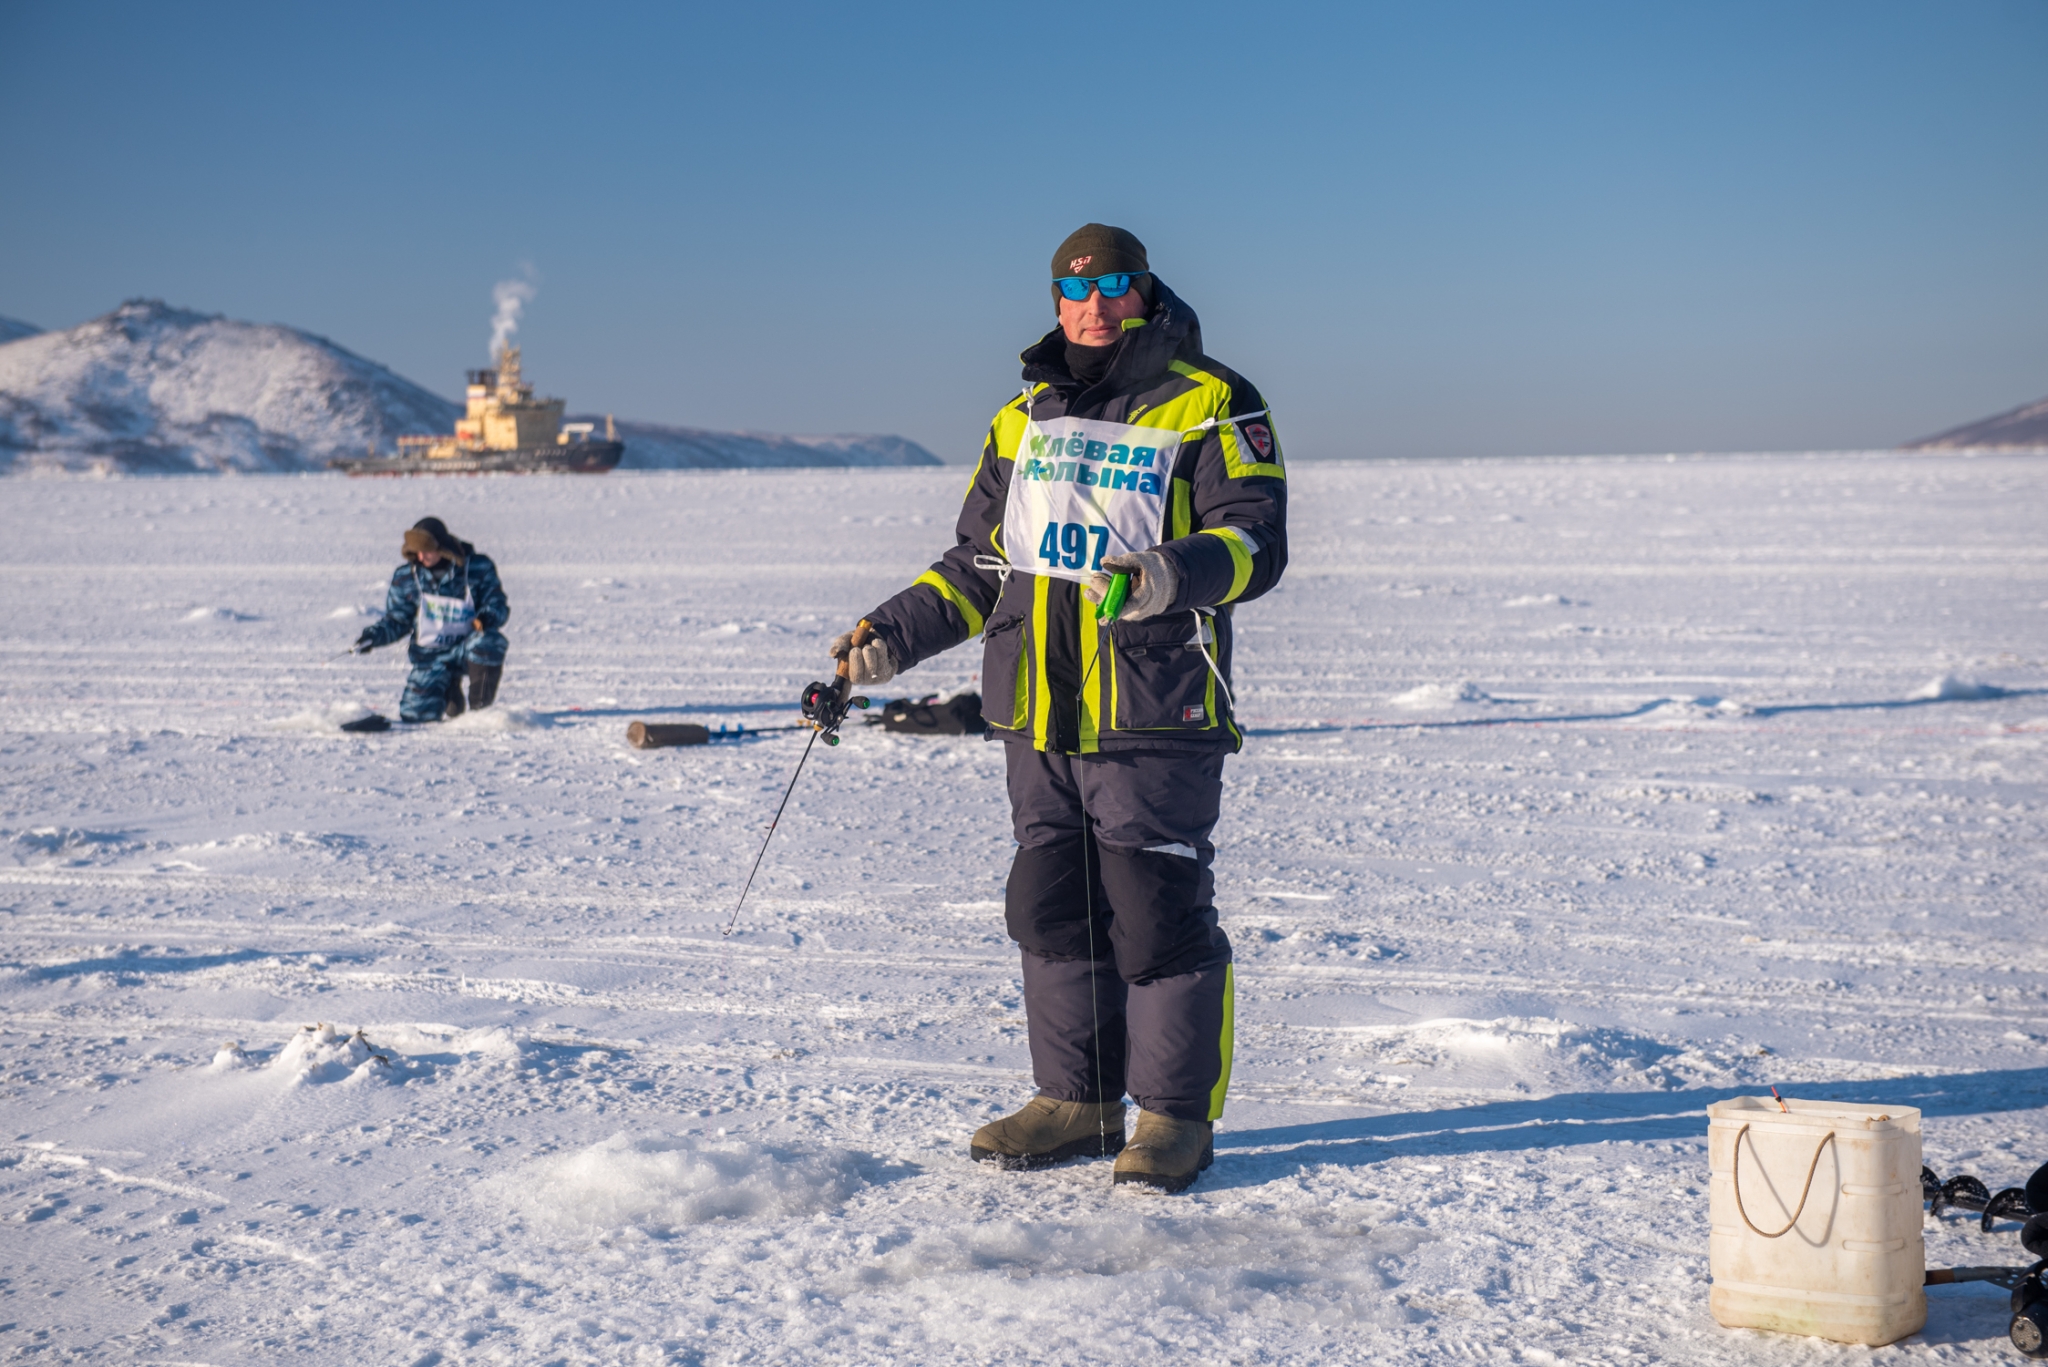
{"x": 1965, "y": 1192}
{"x": 2028, "y": 1328}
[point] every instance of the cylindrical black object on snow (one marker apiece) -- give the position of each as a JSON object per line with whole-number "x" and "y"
{"x": 661, "y": 735}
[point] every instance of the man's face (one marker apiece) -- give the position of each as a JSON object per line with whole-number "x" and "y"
{"x": 430, "y": 558}
{"x": 1096, "y": 321}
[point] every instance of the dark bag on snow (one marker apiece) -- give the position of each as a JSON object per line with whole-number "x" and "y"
{"x": 927, "y": 716}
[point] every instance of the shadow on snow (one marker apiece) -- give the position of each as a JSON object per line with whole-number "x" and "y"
{"x": 1989, "y": 694}
{"x": 1572, "y": 1118}
{"x": 138, "y": 964}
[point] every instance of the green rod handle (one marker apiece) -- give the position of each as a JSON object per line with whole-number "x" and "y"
{"x": 1113, "y": 601}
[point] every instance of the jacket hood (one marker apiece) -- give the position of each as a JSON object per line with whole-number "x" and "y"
{"x": 1171, "y": 330}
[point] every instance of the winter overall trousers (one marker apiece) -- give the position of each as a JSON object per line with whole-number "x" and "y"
{"x": 1139, "y": 1000}
{"x": 434, "y": 672}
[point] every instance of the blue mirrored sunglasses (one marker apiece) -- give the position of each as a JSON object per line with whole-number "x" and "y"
{"x": 1075, "y": 287}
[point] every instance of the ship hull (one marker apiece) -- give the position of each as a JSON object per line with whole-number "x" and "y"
{"x": 576, "y": 458}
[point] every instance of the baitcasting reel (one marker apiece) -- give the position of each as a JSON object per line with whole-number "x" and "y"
{"x": 826, "y": 705}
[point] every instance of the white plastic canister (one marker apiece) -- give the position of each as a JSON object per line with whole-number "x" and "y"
{"x": 1816, "y": 1218}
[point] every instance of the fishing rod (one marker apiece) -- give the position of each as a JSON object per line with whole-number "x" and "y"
{"x": 825, "y": 706}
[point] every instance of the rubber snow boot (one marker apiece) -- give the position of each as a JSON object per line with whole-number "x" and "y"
{"x": 1165, "y": 1153}
{"x": 1049, "y": 1131}
{"x": 483, "y": 684}
{"x": 455, "y": 707}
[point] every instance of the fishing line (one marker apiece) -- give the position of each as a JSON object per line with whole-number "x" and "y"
{"x": 748, "y": 886}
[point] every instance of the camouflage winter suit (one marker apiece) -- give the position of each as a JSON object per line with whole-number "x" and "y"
{"x": 434, "y": 672}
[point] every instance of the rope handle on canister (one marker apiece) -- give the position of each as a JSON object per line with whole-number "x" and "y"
{"x": 1811, "y": 1169}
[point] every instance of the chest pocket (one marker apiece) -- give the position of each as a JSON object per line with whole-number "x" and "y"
{"x": 1161, "y": 680}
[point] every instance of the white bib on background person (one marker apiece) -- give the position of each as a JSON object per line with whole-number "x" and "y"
{"x": 443, "y": 621}
{"x": 1084, "y": 489}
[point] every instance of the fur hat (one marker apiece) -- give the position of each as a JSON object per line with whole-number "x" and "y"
{"x": 431, "y": 534}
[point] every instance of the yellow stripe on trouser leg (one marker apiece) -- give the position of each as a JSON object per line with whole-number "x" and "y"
{"x": 1228, "y": 1043}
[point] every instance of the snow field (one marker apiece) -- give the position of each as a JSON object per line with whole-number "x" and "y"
{"x": 1579, "y": 794}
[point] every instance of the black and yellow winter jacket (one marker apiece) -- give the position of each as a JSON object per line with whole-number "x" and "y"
{"x": 1050, "y": 675}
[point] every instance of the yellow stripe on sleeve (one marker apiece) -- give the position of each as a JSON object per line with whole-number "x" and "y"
{"x": 1240, "y": 558}
{"x": 943, "y": 586}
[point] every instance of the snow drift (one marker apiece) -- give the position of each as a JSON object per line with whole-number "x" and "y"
{"x": 663, "y": 1183}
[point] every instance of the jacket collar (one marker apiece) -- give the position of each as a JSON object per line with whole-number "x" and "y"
{"x": 442, "y": 572}
{"x": 1141, "y": 354}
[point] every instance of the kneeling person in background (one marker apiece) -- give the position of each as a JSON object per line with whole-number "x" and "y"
{"x": 447, "y": 597}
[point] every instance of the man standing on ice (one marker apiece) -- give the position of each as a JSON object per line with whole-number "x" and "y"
{"x": 1129, "y": 451}
{"x": 447, "y": 597}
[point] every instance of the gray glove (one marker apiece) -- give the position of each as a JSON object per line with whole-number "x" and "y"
{"x": 1154, "y": 581}
{"x": 871, "y": 664}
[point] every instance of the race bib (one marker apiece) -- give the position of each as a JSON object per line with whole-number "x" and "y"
{"x": 443, "y": 621}
{"x": 1082, "y": 490}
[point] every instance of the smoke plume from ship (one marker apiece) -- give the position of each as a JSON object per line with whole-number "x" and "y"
{"x": 511, "y": 297}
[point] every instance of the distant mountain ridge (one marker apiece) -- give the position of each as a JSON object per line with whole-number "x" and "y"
{"x": 651, "y": 446}
{"x": 152, "y": 389}
{"x": 13, "y": 328}
{"x": 2021, "y": 429}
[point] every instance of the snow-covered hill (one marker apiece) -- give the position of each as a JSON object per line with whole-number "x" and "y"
{"x": 13, "y": 328}
{"x": 151, "y": 389}
{"x": 650, "y": 446}
{"x": 2022, "y": 429}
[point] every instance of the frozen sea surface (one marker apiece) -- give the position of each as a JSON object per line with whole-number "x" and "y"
{"x": 1578, "y": 794}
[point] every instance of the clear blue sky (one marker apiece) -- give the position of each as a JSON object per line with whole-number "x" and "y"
{"x": 1424, "y": 229}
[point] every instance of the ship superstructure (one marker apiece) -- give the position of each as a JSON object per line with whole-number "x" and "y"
{"x": 506, "y": 429}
